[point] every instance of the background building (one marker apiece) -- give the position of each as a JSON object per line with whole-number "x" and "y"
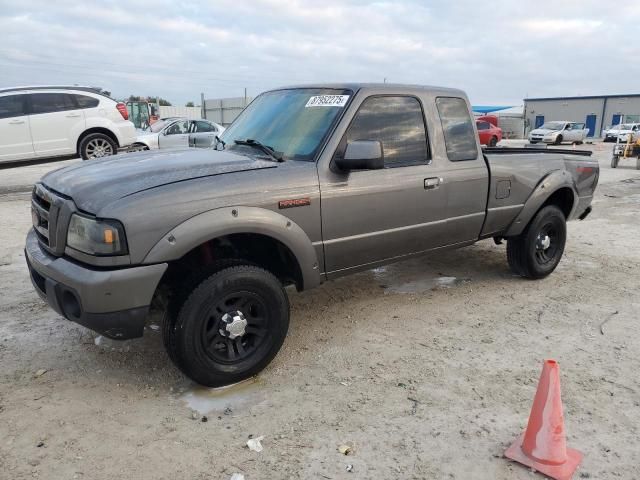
{"x": 598, "y": 112}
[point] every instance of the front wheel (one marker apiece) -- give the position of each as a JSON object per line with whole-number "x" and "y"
{"x": 230, "y": 327}
{"x": 97, "y": 145}
{"x": 493, "y": 142}
{"x": 536, "y": 252}
{"x": 558, "y": 140}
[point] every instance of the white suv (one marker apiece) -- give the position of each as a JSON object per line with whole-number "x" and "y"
{"x": 51, "y": 121}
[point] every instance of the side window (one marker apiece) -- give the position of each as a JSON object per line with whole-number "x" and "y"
{"x": 459, "y": 137}
{"x": 398, "y": 123}
{"x": 12, "y": 106}
{"x": 483, "y": 125}
{"x": 86, "y": 102}
{"x": 179, "y": 127}
{"x": 203, "y": 127}
{"x": 51, "y": 102}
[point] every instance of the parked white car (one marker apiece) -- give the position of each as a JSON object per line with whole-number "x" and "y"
{"x": 178, "y": 133}
{"x": 53, "y": 121}
{"x": 559, "y": 132}
{"x": 622, "y": 131}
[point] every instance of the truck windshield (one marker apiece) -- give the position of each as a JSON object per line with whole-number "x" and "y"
{"x": 553, "y": 126}
{"x": 293, "y": 122}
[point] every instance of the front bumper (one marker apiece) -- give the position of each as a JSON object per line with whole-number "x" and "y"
{"x": 111, "y": 302}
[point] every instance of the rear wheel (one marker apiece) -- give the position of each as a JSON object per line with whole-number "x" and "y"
{"x": 230, "y": 327}
{"x": 614, "y": 161}
{"x": 493, "y": 142}
{"x": 536, "y": 252}
{"x": 97, "y": 145}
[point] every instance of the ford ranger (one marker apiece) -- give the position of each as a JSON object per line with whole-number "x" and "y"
{"x": 308, "y": 184}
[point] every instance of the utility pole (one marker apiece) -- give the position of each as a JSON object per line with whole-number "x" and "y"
{"x": 203, "y": 109}
{"x": 245, "y": 96}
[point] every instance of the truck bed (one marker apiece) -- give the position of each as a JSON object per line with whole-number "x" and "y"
{"x": 517, "y": 174}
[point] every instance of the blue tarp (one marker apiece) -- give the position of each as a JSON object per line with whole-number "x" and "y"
{"x": 489, "y": 108}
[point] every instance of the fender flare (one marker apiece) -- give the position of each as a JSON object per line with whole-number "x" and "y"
{"x": 239, "y": 219}
{"x": 549, "y": 184}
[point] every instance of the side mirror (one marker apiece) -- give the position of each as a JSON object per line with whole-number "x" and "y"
{"x": 362, "y": 155}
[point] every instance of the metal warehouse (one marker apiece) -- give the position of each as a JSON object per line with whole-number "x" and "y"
{"x": 597, "y": 112}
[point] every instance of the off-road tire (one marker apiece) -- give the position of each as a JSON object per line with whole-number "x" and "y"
{"x": 181, "y": 291}
{"x": 523, "y": 253}
{"x": 85, "y": 146}
{"x": 200, "y": 315}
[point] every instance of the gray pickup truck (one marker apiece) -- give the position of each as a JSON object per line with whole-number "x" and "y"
{"x": 308, "y": 184}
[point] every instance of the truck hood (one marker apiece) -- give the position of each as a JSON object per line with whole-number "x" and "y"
{"x": 93, "y": 184}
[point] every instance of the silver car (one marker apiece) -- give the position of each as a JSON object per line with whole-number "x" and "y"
{"x": 178, "y": 133}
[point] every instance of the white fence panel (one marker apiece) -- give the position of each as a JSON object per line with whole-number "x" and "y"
{"x": 193, "y": 113}
{"x": 225, "y": 110}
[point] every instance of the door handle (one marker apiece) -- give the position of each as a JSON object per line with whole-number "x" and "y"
{"x": 73, "y": 115}
{"x": 16, "y": 122}
{"x": 433, "y": 182}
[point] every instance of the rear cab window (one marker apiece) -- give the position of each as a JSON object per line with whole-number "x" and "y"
{"x": 398, "y": 123}
{"x": 12, "y": 106}
{"x": 457, "y": 126}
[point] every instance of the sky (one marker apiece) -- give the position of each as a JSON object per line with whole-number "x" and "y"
{"x": 498, "y": 51}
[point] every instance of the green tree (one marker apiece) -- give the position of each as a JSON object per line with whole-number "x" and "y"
{"x": 159, "y": 100}
{"x": 189, "y": 104}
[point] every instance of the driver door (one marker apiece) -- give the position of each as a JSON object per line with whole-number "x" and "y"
{"x": 175, "y": 135}
{"x": 369, "y": 216}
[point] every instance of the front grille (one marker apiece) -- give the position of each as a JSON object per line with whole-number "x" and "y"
{"x": 40, "y": 213}
{"x": 50, "y": 215}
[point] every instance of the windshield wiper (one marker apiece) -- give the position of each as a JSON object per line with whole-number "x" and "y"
{"x": 260, "y": 146}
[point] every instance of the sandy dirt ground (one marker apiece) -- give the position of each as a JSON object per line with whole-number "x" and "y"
{"x": 427, "y": 368}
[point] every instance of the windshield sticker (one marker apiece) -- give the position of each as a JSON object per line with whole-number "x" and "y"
{"x": 327, "y": 101}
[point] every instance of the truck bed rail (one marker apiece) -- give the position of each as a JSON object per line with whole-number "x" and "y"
{"x": 509, "y": 150}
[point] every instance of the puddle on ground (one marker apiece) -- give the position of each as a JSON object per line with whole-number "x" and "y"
{"x": 394, "y": 281}
{"x": 113, "y": 345}
{"x": 224, "y": 400}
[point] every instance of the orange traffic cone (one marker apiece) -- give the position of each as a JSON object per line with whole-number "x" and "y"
{"x": 543, "y": 445}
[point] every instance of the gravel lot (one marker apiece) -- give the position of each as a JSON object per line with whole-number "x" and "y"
{"x": 427, "y": 368}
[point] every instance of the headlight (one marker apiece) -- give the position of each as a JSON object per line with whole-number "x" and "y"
{"x": 96, "y": 237}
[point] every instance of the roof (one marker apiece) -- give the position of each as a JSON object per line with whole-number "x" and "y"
{"x": 355, "y": 86}
{"x": 53, "y": 87}
{"x": 586, "y": 97}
